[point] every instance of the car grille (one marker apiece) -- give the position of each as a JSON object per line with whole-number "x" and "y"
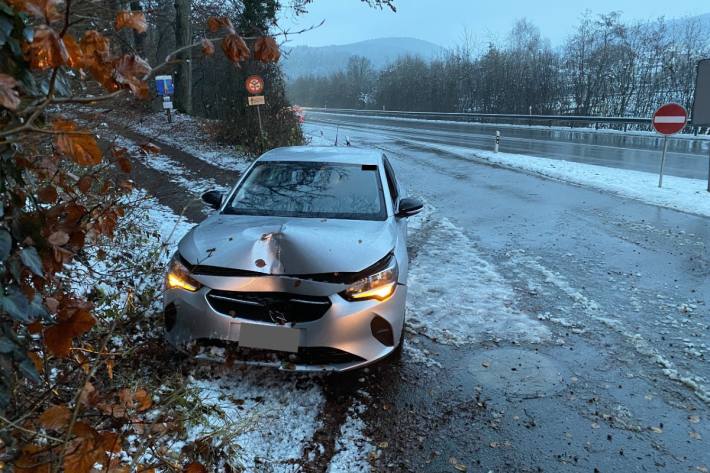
{"x": 272, "y": 307}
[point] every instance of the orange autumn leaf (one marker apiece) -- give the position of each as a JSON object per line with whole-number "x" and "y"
{"x": 109, "y": 442}
{"x": 58, "y": 337}
{"x": 96, "y": 47}
{"x": 47, "y": 50}
{"x": 55, "y": 417}
{"x": 131, "y": 19}
{"x": 81, "y": 147}
{"x": 37, "y": 361}
{"x": 57, "y": 340}
{"x": 122, "y": 159}
{"x": 47, "y": 194}
{"x": 84, "y": 184}
{"x": 235, "y": 48}
{"x": 266, "y": 50}
{"x": 83, "y": 456}
{"x": 130, "y": 71}
{"x": 97, "y": 59}
{"x": 9, "y": 97}
{"x": 75, "y": 54}
{"x": 195, "y": 468}
{"x": 144, "y": 400}
{"x": 207, "y": 47}
{"x": 58, "y": 238}
{"x": 42, "y": 9}
{"x": 215, "y": 23}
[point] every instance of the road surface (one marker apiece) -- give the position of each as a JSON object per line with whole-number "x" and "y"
{"x": 549, "y": 328}
{"x": 687, "y": 156}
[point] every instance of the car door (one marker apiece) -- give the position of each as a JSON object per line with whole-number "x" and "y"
{"x": 395, "y": 192}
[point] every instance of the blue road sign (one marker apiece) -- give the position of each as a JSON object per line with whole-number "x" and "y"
{"x": 164, "y": 85}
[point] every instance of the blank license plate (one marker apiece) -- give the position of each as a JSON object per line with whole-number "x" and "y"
{"x": 269, "y": 337}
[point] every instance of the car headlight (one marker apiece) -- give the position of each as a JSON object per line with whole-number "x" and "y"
{"x": 179, "y": 277}
{"x": 379, "y": 285}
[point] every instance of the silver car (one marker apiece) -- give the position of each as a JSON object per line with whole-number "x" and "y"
{"x": 303, "y": 265}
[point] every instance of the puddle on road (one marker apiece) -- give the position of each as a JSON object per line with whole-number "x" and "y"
{"x": 516, "y": 372}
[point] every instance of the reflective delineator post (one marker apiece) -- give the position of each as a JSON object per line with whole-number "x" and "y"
{"x": 663, "y": 160}
{"x": 497, "y": 141}
{"x": 709, "y": 171}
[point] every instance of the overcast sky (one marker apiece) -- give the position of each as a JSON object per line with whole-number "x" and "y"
{"x": 444, "y": 21}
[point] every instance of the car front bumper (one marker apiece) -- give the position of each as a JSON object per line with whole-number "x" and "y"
{"x": 346, "y": 329}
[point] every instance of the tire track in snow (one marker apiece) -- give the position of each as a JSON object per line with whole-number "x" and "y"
{"x": 593, "y": 310}
{"x": 457, "y": 297}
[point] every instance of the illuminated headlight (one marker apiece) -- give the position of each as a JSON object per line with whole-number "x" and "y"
{"x": 178, "y": 277}
{"x": 379, "y": 285}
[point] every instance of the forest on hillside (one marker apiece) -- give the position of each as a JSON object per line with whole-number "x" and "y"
{"x": 606, "y": 67}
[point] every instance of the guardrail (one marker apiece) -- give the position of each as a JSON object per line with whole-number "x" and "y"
{"x": 509, "y": 119}
{"x": 544, "y": 120}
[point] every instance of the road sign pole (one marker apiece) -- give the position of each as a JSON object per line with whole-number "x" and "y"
{"x": 663, "y": 160}
{"x": 258, "y": 114}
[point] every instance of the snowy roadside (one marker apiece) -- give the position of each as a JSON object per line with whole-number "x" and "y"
{"x": 176, "y": 172}
{"x": 678, "y": 193}
{"x": 189, "y": 134}
{"x": 455, "y": 296}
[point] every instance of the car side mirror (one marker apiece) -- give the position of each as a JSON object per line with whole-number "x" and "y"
{"x": 213, "y": 199}
{"x": 409, "y": 206}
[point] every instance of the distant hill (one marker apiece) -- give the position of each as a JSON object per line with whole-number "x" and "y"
{"x": 680, "y": 24}
{"x": 302, "y": 60}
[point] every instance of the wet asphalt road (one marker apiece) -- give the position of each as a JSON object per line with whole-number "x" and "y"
{"x": 623, "y": 384}
{"x": 687, "y": 156}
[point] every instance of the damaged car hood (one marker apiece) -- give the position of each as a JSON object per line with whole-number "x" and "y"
{"x": 288, "y": 246}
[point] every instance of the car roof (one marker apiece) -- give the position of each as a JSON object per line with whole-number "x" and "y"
{"x": 325, "y": 154}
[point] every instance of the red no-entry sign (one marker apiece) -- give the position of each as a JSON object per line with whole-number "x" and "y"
{"x": 670, "y": 119}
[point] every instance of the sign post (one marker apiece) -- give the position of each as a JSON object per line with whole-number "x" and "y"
{"x": 701, "y": 101}
{"x": 668, "y": 120}
{"x": 165, "y": 88}
{"x": 255, "y": 86}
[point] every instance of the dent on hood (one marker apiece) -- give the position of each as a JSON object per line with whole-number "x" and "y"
{"x": 282, "y": 246}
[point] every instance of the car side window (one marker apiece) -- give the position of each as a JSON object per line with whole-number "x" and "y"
{"x": 391, "y": 181}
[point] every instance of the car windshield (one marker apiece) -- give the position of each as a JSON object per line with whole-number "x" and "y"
{"x": 308, "y": 189}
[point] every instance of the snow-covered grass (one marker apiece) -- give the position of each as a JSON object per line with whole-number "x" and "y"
{"x": 679, "y": 193}
{"x": 455, "y": 296}
{"x": 190, "y": 134}
{"x": 267, "y": 416}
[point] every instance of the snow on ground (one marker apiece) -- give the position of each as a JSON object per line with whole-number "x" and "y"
{"x": 679, "y": 193}
{"x": 176, "y": 172}
{"x": 454, "y": 295}
{"x": 149, "y": 232}
{"x": 188, "y": 134}
{"x": 315, "y": 137}
{"x": 267, "y": 416}
{"x": 352, "y": 448}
